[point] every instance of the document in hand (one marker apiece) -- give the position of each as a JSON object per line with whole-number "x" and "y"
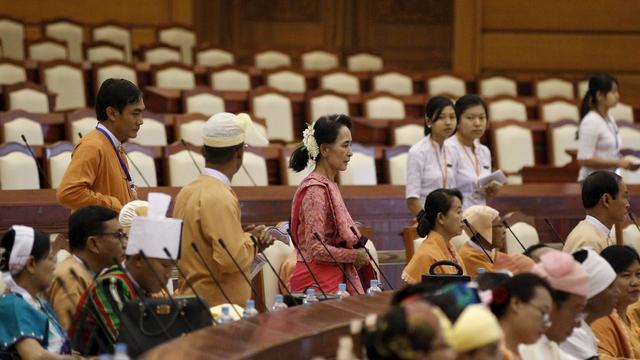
{"x": 497, "y": 177}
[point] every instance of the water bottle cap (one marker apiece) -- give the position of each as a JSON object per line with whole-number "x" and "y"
{"x": 120, "y": 348}
{"x": 374, "y": 283}
{"x": 225, "y": 310}
{"x": 480, "y": 270}
{"x": 311, "y": 292}
{"x": 279, "y": 297}
{"x": 342, "y": 286}
{"x": 251, "y": 303}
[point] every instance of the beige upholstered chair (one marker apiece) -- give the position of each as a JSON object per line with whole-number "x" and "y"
{"x": 498, "y": 85}
{"x": 101, "y": 51}
{"x": 256, "y": 166}
{"x": 408, "y": 132}
{"x": 115, "y": 33}
{"x": 180, "y": 36}
{"x": 583, "y": 87}
{"x": 213, "y": 57}
{"x": 12, "y": 38}
{"x": 364, "y": 62}
{"x": 47, "y": 49}
{"x": 362, "y": 167}
{"x": 559, "y": 109}
{"x": 67, "y": 80}
{"x": 12, "y": 72}
{"x": 630, "y": 134}
{"x": 322, "y": 103}
{"x": 276, "y": 108}
{"x": 507, "y": 108}
{"x": 622, "y": 112}
{"x": 153, "y": 131}
{"x": 113, "y": 69}
{"x": 18, "y": 123}
{"x": 290, "y": 177}
{"x": 446, "y": 85}
{"x": 319, "y": 60}
{"x": 27, "y": 96}
{"x": 396, "y": 164}
{"x": 188, "y": 127}
{"x": 70, "y": 32}
{"x": 287, "y": 79}
{"x": 562, "y": 137}
{"x": 269, "y": 59}
{"x": 142, "y": 165}
{"x": 527, "y": 234}
{"x": 172, "y": 75}
{"x": 80, "y": 122}
{"x": 58, "y": 157}
{"x": 507, "y": 136}
{"x": 277, "y": 254}
{"x": 180, "y": 166}
{"x": 230, "y": 78}
{"x": 203, "y": 101}
{"x": 383, "y": 106}
{"x": 256, "y": 135}
{"x": 18, "y": 169}
{"x": 554, "y": 87}
{"x": 393, "y": 82}
{"x": 161, "y": 53}
{"x": 341, "y": 82}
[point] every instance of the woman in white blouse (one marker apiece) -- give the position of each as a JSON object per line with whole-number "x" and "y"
{"x": 430, "y": 165}
{"x": 598, "y": 136}
{"x": 473, "y": 158}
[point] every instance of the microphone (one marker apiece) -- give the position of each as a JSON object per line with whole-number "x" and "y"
{"x": 248, "y": 175}
{"x": 40, "y": 170}
{"x": 184, "y": 144}
{"x": 137, "y": 169}
{"x": 261, "y": 251}
{"x": 215, "y": 279}
{"x": 504, "y": 222}
{"x": 555, "y": 233}
{"x": 344, "y": 272}
{"x": 474, "y": 238}
{"x": 201, "y": 302}
{"x": 253, "y": 289}
{"x": 79, "y": 134}
{"x": 355, "y": 233}
{"x": 633, "y": 219}
{"x": 306, "y": 264}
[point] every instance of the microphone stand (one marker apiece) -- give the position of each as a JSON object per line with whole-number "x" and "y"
{"x": 38, "y": 166}
{"x": 306, "y": 264}
{"x": 184, "y": 144}
{"x": 475, "y": 239}
{"x": 355, "y": 233}
{"x": 504, "y": 222}
{"x": 344, "y": 272}
{"x": 555, "y": 233}
{"x": 261, "y": 251}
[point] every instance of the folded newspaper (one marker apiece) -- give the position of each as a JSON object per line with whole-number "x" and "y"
{"x": 497, "y": 177}
{"x": 280, "y": 233}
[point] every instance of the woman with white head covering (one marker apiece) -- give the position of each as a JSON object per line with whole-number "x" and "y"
{"x": 29, "y": 328}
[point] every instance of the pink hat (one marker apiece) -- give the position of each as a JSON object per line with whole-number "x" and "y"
{"x": 481, "y": 218}
{"x": 563, "y": 272}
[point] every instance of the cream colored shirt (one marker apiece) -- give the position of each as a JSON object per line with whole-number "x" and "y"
{"x": 472, "y": 164}
{"x": 429, "y": 167}
{"x": 597, "y": 137}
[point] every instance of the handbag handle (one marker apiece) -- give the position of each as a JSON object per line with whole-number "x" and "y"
{"x": 444, "y": 263}
{"x": 143, "y": 314}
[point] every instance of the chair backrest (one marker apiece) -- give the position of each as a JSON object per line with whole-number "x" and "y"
{"x": 256, "y": 135}
{"x": 80, "y": 122}
{"x": 18, "y": 169}
{"x": 527, "y": 234}
{"x": 15, "y": 124}
{"x": 340, "y": 82}
{"x": 507, "y": 109}
{"x": 101, "y": 51}
{"x": 115, "y": 33}
{"x": 554, "y": 87}
{"x": 12, "y": 38}
{"x": 559, "y": 109}
{"x": 180, "y": 167}
{"x": 276, "y": 108}
{"x": 287, "y": 79}
{"x": 161, "y": 53}
{"x": 396, "y": 164}
{"x": 180, "y": 36}
{"x": 498, "y": 85}
{"x": 153, "y": 131}
{"x": 67, "y": 80}
{"x": 28, "y": 97}
{"x": 173, "y": 75}
{"x": 12, "y": 72}
{"x": 69, "y": 31}
{"x": 562, "y": 137}
{"x": 511, "y": 135}
{"x": 269, "y": 59}
{"x": 144, "y": 170}
{"x": 583, "y": 87}
{"x": 290, "y": 177}
{"x": 47, "y": 49}
{"x": 408, "y": 132}
{"x": 113, "y": 69}
{"x": 229, "y": 78}
{"x": 202, "y": 101}
{"x": 58, "y": 158}
{"x": 446, "y": 84}
{"x": 393, "y": 82}
{"x": 326, "y": 103}
{"x": 622, "y": 112}
{"x": 277, "y": 254}
{"x": 256, "y": 166}
{"x": 362, "y": 167}
{"x": 319, "y": 60}
{"x": 364, "y": 62}
{"x": 630, "y": 136}
{"x": 384, "y": 106}
{"x": 188, "y": 127}
{"x": 214, "y": 57}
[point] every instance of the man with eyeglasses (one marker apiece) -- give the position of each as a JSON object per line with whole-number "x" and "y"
{"x": 95, "y": 238}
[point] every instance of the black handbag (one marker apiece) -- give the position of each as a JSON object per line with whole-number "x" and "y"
{"x": 145, "y": 323}
{"x": 433, "y": 281}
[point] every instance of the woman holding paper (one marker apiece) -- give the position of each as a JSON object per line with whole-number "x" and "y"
{"x": 473, "y": 158}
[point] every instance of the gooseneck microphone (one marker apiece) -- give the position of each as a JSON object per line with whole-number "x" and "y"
{"x": 193, "y": 160}
{"x": 261, "y": 251}
{"x": 504, "y": 222}
{"x": 475, "y": 239}
{"x": 306, "y": 264}
{"x": 244, "y": 276}
{"x": 248, "y": 175}
{"x": 215, "y": 279}
{"x": 137, "y": 169}
{"x": 335, "y": 261}
{"x": 355, "y": 233}
{"x": 633, "y": 219}
{"x": 33, "y": 155}
{"x": 555, "y": 233}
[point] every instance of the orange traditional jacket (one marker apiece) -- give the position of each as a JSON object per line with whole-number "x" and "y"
{"x": 615, "y": 339}
{"x": 474, "y": 258}
{"x": 434, "y": 248}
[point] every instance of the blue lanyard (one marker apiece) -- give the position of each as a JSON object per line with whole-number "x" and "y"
{"x": 122, "y": 164}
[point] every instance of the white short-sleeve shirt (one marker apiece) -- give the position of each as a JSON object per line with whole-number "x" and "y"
{"x": 429, "y": 167}
{"x": 472, "y": 164}
{"x": 597, "y": 137}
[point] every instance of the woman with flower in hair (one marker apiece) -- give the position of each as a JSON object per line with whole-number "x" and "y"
{"x": 319, "y": 215}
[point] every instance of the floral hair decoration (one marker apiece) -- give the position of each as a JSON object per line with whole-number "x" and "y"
{"x": 310, "y": 143}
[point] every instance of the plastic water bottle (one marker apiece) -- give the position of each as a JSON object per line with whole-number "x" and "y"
{"x": 120, "y": 352}
{"x": 105, "y": 357}
{"x": 342, "y": 291}
{"x": 374, "y": 288}
{"x": 311, "y": 297}
{"x": 345, "y": 348}
{"x": 250, "y": 309}
{"x": 279, "y": 303}
{"x": 225, "y": 317}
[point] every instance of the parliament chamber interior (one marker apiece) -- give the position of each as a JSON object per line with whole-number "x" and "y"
{"x": 288, "y": 62}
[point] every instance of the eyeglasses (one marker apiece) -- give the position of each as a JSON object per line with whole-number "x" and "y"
{"x": 546, "y": 319}
{"x": 119, "y": 234}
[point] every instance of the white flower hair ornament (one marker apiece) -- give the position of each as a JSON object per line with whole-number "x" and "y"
{"x": 310, "y": 143}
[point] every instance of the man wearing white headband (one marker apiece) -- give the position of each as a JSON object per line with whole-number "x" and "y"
{"x": 29, "y": 329}
{"x": 211, "y": 211}
{"x": 146, "y": 270}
